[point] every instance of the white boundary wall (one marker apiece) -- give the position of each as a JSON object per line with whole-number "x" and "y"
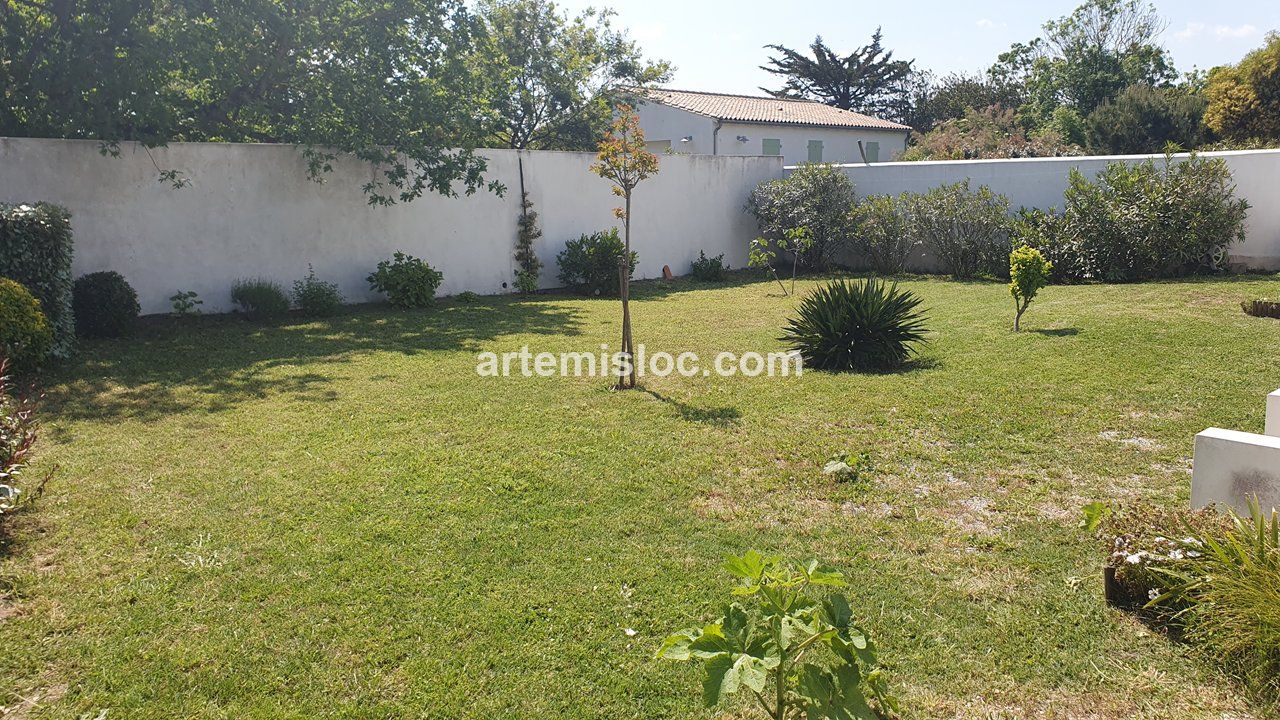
{"x": 250, "y": 211}
{"x": 1040, "y": 183}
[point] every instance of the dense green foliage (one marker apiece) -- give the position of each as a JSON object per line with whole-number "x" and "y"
{"x": 35, "y": 250}
{"x": 526, "y": 255}
{"x": 260, "y": 298}
{"x": 1244, "y": 99}
{"x": 794, "y": 645}
{"x": 551, "y": 80}
{"x": 589, "y": 265}
{"x": 1029, "y": 273}
{"x": 817, "y": 197}
{"x": 105, "y": 305}
{"x": 857, "y": 325}
{"x": 992, "y": 132}
{"x": 1151, "y": 220}
{"x": 966, "y": 230}
{"x": 867, "y": 80}
{"x": 955, "y": 95}
{"x": 185, "y": 302}
{"x": 709, "y": 269}
{"x": 316, "y": 297}
{"x": 25, "y": 335}
{"x": 885, "y": 235}
{"x": 381, "y": 82}
{"x": 18, "y": 433}
{"x": 408, "y": 282}
{"x": 1143, "y": 120}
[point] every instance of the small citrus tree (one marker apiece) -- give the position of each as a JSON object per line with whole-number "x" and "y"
{"x": 1029, "y": 273}
{"x": 623, "y": 160}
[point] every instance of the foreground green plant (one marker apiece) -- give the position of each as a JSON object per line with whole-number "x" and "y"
{"x": 1028, "y": 275}
{"x": 764, "y": 253}
{"x": 793, "y": 647}
{"x": 856, "y": 325}
{"x": 408, "y": 282}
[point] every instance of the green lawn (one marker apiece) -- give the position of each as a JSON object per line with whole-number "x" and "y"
{"x": 339, "y": 519}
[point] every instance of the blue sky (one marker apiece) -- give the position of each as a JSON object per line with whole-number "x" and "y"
{"x": 717, "y": 45}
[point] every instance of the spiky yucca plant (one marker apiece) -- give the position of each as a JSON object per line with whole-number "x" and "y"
{"x": 856, "y": 325}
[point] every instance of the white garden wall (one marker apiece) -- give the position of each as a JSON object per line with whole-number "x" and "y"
{"x": 1040, "y": 183}
{"x": 250, "y": 211}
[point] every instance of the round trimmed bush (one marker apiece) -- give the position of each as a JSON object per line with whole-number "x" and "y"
{"x": 856, "y": 325}
{"x": 259, "y": 298}
{"x": 104, "y": 305}
{"x": 25, "y": 335}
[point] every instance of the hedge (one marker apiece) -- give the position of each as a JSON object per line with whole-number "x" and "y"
{"x": 35, "y": 250}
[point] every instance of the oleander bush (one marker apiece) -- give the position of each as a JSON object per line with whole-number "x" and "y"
{"x": 817, "y": 197}
{"x": 35, "y": 250}
{"x": 260, "y": 298}
{"x": 315, "y": 297}
{"x": 407, "y": 281}
{"x": 25, "y": 336}
{"x": 105, "y": 305}
{"x": 1149, "y": 220}
{"x": 589, "y": 265}
{"x": 709, "y": 269}
{"x": 966, "y": 230}
{"x": 854, "y": 325}
{"x": 883, "y": 234}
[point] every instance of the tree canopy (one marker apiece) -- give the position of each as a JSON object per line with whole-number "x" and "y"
{"x": 867, "y": 80}
{"x": 382, "y": 81}
{"x": 551, "y": 80}
{"x": 1244, "y": 99}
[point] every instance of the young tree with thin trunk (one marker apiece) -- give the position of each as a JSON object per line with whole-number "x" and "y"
{"x": 625, "y": 162}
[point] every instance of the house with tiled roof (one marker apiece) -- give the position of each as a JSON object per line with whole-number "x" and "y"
{"x": 705, "y": 123}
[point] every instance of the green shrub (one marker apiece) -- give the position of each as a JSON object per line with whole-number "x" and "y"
{"x": 315, "y": 297}
{"x": 1044, "y": 230}
{"x": 817, "y": 197}
{"x": 35, "y": 250}
{"x": 884, "y": 236}
{"x": 1228, "y": 593}
{"x": 185, "y": 303}
{"x": 105, "y": 305}
{"x": 467, "y": 296}
{"x": 789, "y": 637}
{"x": 527, "y": 233}
{"x": 259, "y": 298}
{"x": 25, "y": 336}
{"x": 1144, "y": 221}
{"x": 18, "y": 432}
{"x": 966, "y": 230}
{"x": 407, "y": 281}
{"x": 589, "y": 265}
{"x": 856, "y": 325}
{"x": 708, "y": 269}
{"x": 1028, "y": 274}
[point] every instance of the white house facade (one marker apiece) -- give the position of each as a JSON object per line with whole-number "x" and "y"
{"x": 703, "y": 123}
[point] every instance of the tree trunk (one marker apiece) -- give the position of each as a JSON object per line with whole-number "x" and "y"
{"x": 1017, "y": 319}
{"x": 624, "y": 287}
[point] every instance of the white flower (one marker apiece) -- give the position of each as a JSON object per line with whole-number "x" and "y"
{"x": 1175, "y": 555}
{"x": 1153, "y": 593}
{"x": 630, "y": 632}
{"x": 1135, "y": 558}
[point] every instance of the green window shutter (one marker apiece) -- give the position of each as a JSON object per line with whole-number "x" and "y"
{"x": 771, "y": 146}
{"x": 815, "y": 151}
{"x": 873, "y": 152}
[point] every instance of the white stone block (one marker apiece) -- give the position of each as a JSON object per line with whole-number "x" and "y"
{"x": 1230, "y": 467}
{"x": 1273, "y": 414}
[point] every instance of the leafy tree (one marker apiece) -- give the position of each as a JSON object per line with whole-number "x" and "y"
{"x": 952, "y": 96}
{"x": 551, "y": 79}
{"x": 623, "y": 160}
{"x": 381, "y": 81}
{"x": 1244, "y": 99}
{"x": 764, "y": 253}
{"x": 1087, "y": 57}
{"x": 867, "y": 80}
{"x": 816, "y": 197}
{"x": 992, "y": 132}
{"x": 1029, "y": 273}
{"x": 1143, "y": 119}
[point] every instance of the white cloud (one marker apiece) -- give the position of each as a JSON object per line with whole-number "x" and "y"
{"x": 985, "y": 23}
{"x": 1219, "y": 32}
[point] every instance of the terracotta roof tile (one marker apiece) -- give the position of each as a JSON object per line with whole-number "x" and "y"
{"x": 754, "y": 109}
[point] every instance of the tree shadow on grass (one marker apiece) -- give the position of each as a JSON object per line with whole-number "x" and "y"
{"x": 217, "y": 362}
{"x": 719, "y": 416}
{"x": 1059, "y": 332}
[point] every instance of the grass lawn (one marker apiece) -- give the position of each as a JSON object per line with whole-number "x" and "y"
{"x": 340, "y": 519}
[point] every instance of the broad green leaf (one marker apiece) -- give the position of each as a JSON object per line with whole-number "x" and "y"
{"x": 750, "y": 566}
{"x": 822, "y": 575}
{"x": 676, "y": 646}
{"x": 711, "y": 642}
{"x": 716, "y": 672}
{"x": 736, "y": 625}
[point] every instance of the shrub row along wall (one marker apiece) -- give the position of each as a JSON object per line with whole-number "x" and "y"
{"x": 1040, "y": 183}
{"x": 250, "y": 211}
